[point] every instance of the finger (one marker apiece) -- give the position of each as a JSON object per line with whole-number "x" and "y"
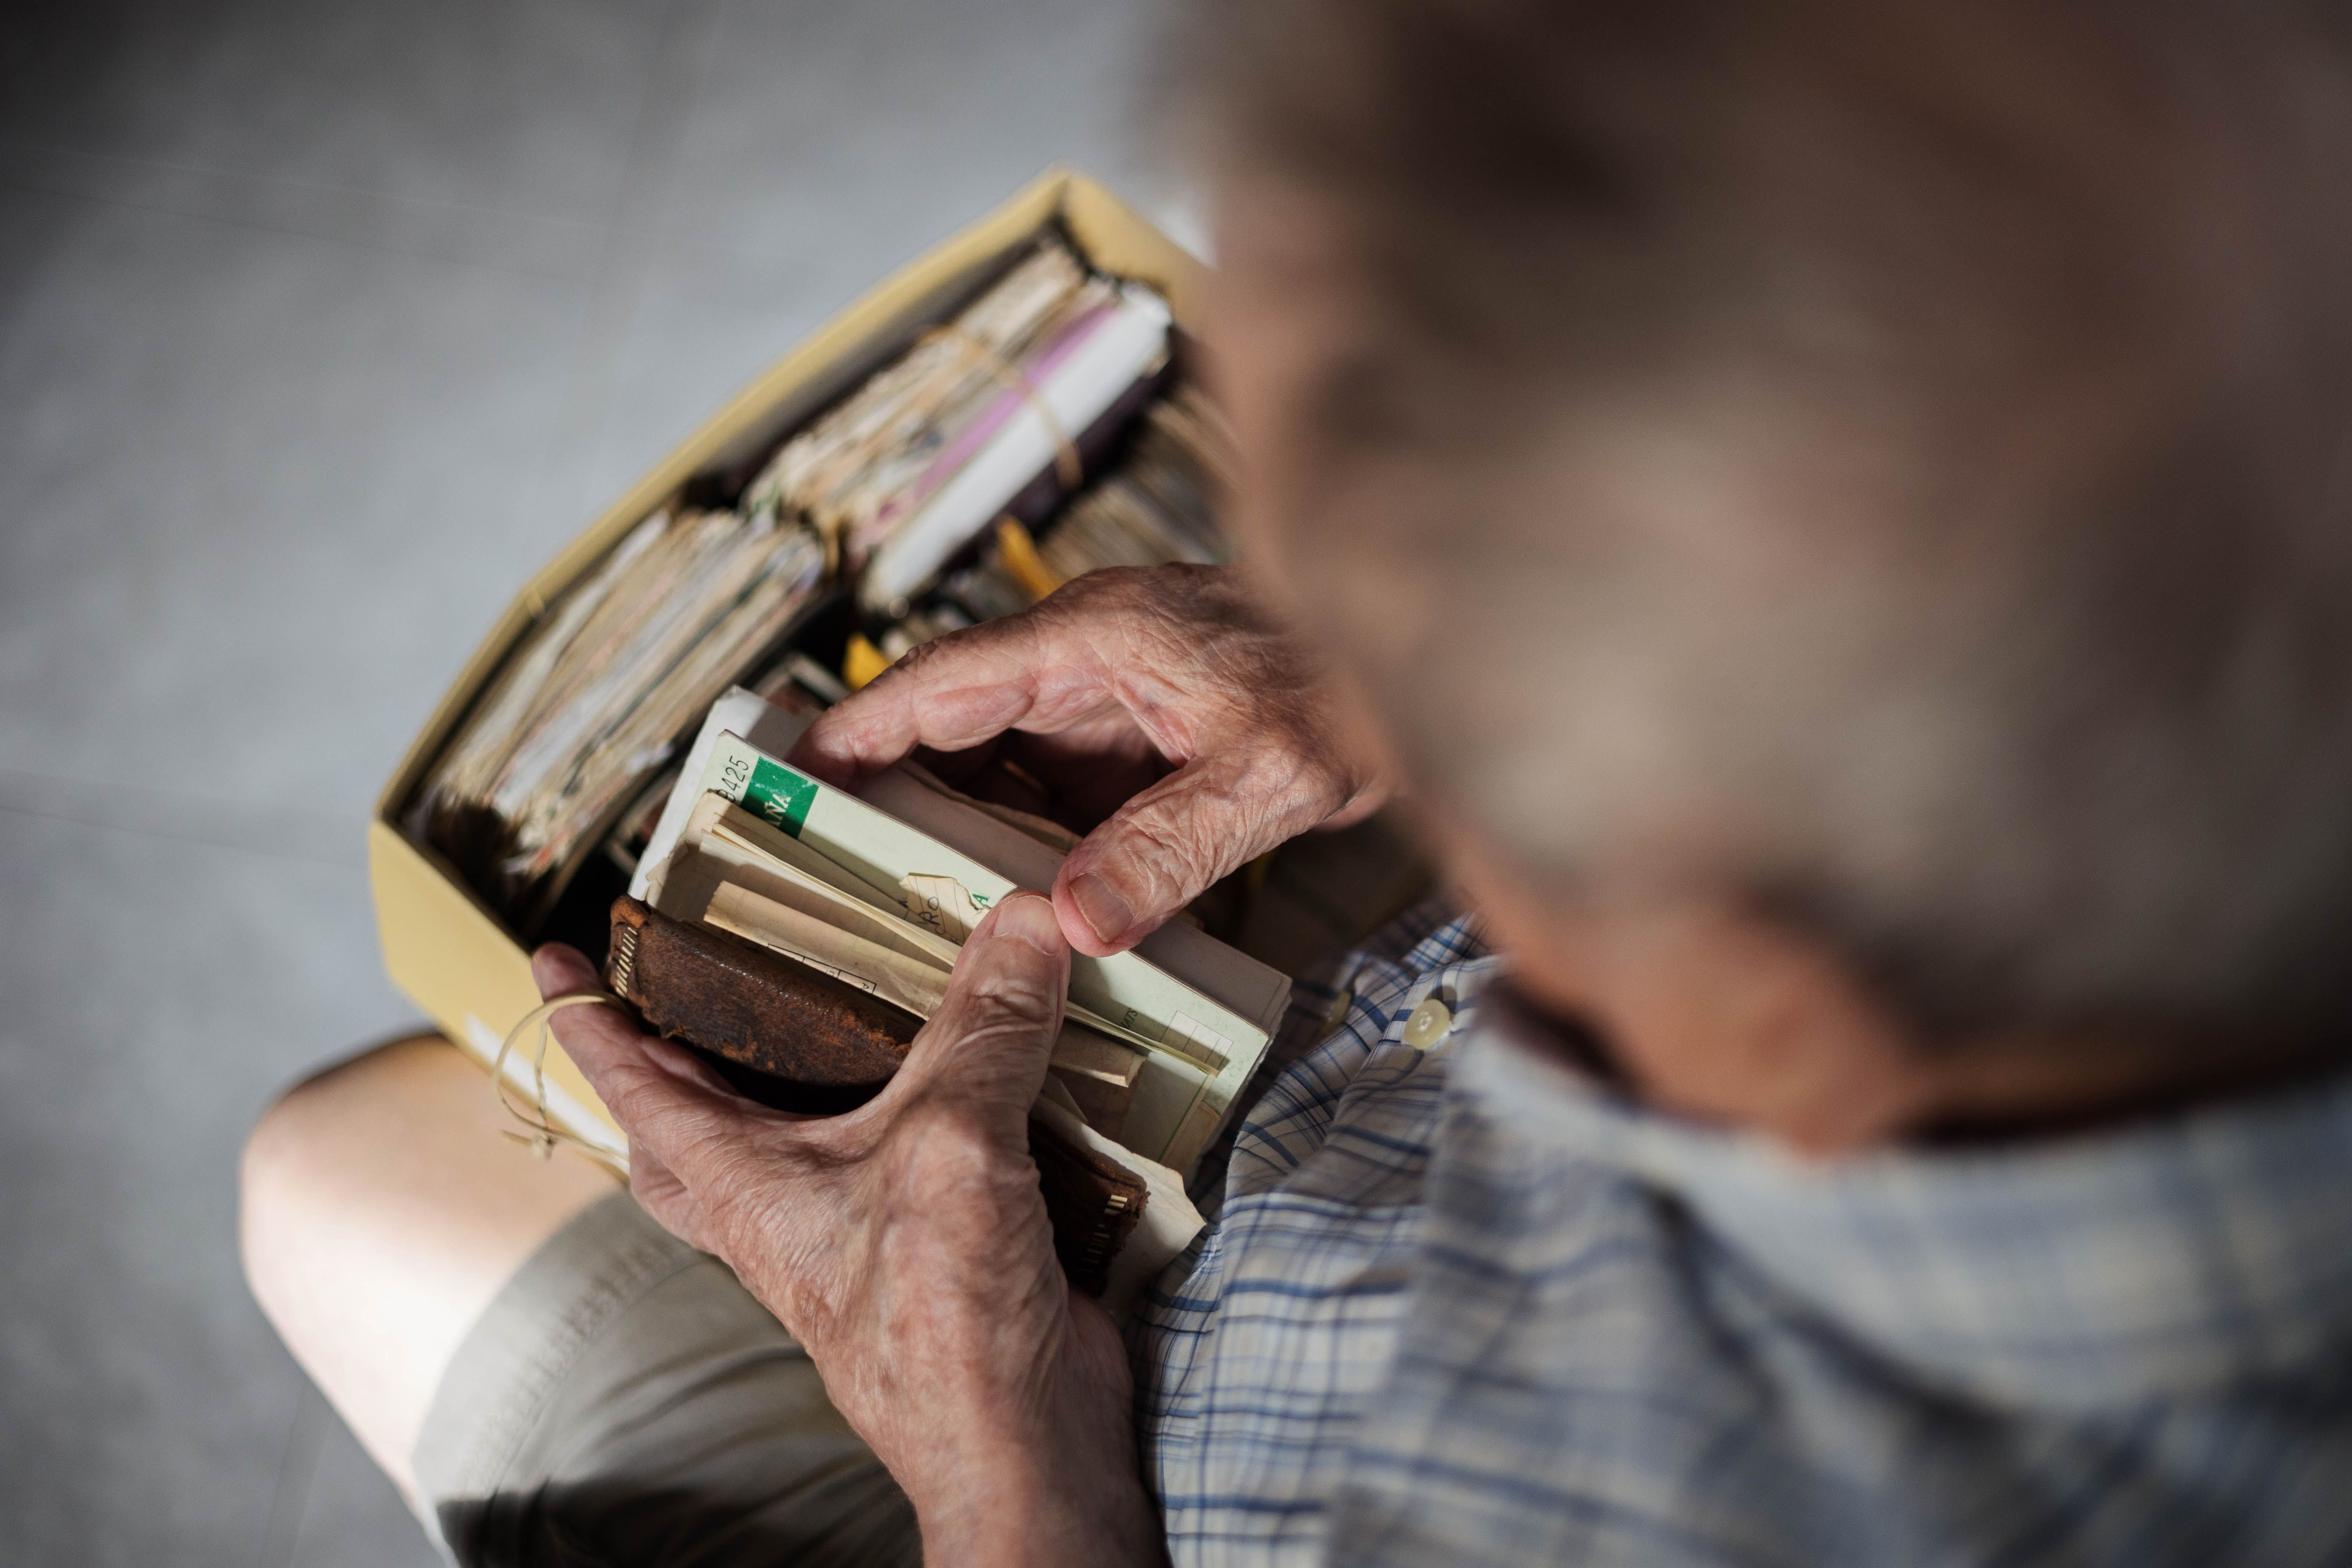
{"x": 563, "y": 971}
{"x": 1163, "y": 848}
{"x": 1036, "y": 670}
{"x": 992, "y": 1033}
{"x": 663, "y": 1099}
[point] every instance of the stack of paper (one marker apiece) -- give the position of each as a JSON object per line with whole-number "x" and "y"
{"x": 880, "y": 892}
{"x": 982, "y": 425}
{"x": 1161, "y": 505}
{"x": 916, "y": 463}
{"x": 590, "y": 705}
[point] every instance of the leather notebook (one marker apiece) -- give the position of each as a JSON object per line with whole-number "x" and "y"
{"x": 800, "y": 1040}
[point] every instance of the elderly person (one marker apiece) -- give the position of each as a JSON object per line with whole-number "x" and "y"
{"x": 1837, "y": 517}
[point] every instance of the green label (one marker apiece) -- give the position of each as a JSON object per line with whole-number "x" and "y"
{"x": 780, "y": 795}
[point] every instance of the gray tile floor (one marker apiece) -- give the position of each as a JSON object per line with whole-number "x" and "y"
{"x": 321, "y": 326}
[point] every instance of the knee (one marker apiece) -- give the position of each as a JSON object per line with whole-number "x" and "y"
{"x": 315, "y": 1139}
{"x": 294, "y": 1142}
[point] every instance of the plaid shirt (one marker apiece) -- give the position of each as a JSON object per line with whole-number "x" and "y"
{"x": 1460, "y": 1305}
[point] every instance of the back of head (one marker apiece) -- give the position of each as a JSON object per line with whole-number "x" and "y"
{"x": 1891, "y": 462}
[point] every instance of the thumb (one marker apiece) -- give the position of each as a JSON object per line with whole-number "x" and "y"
{"x": 1164, "y": 848}
{"x": 995, "y": 1029}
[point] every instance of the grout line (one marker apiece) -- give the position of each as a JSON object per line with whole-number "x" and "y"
{"x": 288, "y": 833}
{"x": 324, "y": 188}
{"x": 289, "y": 1497}
{"x": 633, "y": 234}
{"x": 323, "y": 233}
{"x": 210, "y": 841}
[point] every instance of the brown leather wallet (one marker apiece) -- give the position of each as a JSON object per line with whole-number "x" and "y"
{"x": 816, "y": 1043}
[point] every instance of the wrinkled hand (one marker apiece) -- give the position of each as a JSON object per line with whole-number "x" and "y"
{"x": 905, "y": 1245}
{"x": 1205, "y": 732}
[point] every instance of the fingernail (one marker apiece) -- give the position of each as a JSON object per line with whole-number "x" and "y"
{"x": 1105, "y": 909}
{"x": 1030, "y": 917}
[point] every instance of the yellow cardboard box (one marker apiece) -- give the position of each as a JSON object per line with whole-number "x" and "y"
{"x": 443, "y": 947}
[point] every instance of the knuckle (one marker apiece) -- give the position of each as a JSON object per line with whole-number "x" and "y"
{"x": 991, "y": 1022}
{"x": 1025, "y": 993}
{"x": 924, "y": 658}
{"x": 1083, "y": 607}
{"x": 1124, "y": 592}
{"x": 1129, "y": 585}
{"x": 996, "y": 1020}
{"x": 1164, "y": 851}
{"x": 1003, "y": 979}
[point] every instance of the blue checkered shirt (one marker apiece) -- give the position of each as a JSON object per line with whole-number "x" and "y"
{"x": 1461, "y": 1305}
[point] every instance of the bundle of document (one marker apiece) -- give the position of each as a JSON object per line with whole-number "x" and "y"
{"x": 987, "y": 414}
{"x": 795, "y": 683}
{"x": 1159, "y": 505}
{"x": 983, "y": 425}
{"x": 591, "y": 704}
{"x": 879, "y": 887}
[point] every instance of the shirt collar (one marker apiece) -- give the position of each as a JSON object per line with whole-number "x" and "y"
{"x": 2167, "y": 1258}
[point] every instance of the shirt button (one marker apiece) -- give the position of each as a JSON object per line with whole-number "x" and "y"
{"x": 1428, "y": 1024}
{"x": 1337, "y": 1014}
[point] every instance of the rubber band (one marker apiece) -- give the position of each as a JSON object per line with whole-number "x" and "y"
{"x": 544, "y": 1134}
{"x": 1005, "y": 374}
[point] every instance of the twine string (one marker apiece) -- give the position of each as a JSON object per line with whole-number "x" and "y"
{"x": 1008, "y": 376}
{"x": 541, "y": 1134}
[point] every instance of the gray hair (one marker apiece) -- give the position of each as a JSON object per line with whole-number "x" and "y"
{"x": 1888, "y": 459}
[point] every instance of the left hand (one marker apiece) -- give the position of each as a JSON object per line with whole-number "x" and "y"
{"x": 905, "y": 1245}
{"x": 1182, "y": 728}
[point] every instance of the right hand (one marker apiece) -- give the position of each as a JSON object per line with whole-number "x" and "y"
{"x": 1213, "y": 731}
